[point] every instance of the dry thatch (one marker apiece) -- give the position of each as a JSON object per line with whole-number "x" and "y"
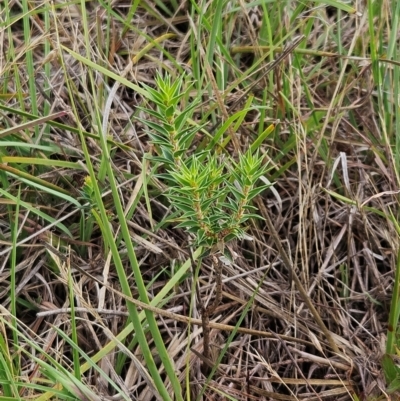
{"x": 329, "y": 184}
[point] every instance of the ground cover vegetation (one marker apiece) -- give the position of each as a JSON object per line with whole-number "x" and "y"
{"x": 199, "y": 200}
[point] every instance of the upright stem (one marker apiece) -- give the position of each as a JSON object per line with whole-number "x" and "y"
{"x": 206, "y": 312}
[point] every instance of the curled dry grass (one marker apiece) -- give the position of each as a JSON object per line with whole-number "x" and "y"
{"x": 334, "y": 204}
